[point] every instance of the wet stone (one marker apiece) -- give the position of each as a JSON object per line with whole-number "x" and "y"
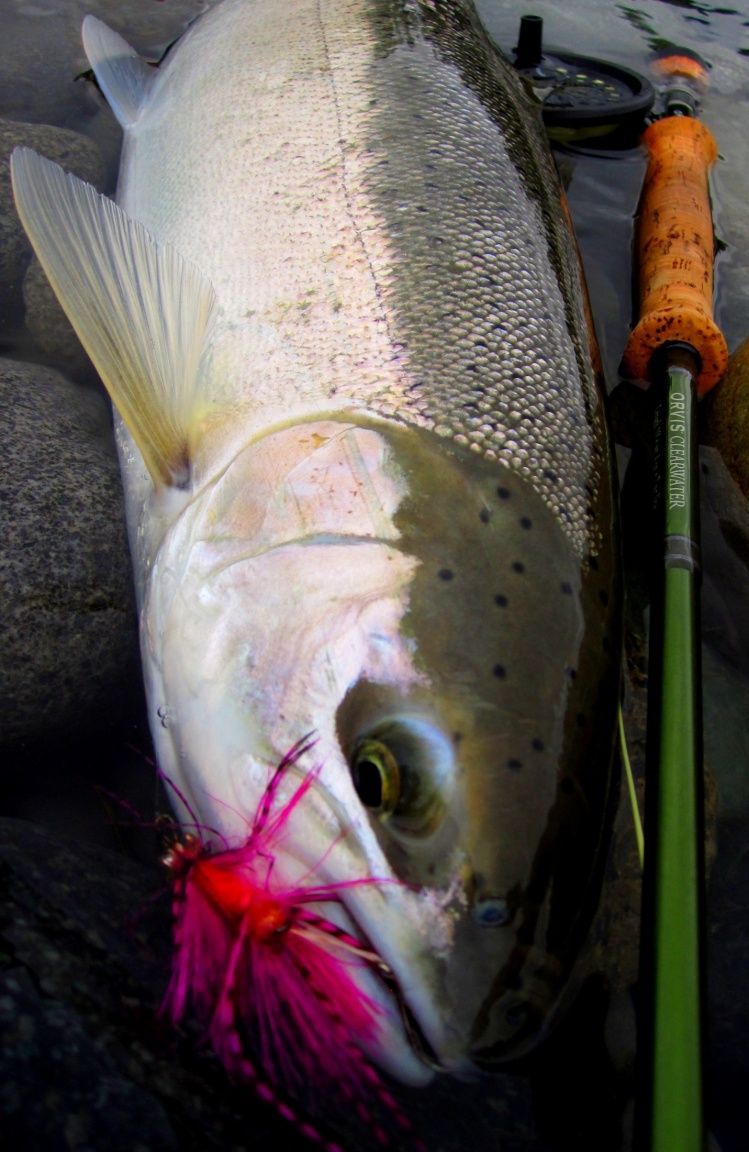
{"x": 47, "y": 322}
{"x": 61, "y": 1090}
{"x": 89, "y": 1065}
{"x": 68, "y": 647}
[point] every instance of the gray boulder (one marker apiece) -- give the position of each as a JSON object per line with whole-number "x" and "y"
{"x": 68, "y": 646}
{"x": 86, "y": 1063}
{"x": 47, "y": 322}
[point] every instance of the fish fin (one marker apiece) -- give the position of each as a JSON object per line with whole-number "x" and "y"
{"x": 124, "y": 77}
{"x": 142, "y": 312}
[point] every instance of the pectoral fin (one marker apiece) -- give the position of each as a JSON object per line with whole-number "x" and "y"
{"x": 141, "y": 311}
{"x": 123, "y": 76}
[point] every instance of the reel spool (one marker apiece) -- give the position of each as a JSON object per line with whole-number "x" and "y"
{"x": 582, "y": 98}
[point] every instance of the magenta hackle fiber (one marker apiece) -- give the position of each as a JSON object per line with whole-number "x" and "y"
{"x": 272, "y": 978}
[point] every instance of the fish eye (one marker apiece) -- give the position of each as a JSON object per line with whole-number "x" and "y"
{"x": 403, "y": 772}
{"x": 376, "y": 776}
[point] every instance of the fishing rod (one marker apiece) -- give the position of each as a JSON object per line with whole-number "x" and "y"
{"x": 679, "y": 350}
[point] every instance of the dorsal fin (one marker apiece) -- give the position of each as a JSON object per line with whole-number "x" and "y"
{"x": 141, "y": 311}
{"x": 123, "y": 76}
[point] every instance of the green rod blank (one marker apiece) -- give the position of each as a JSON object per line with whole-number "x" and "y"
{"x": 677, "y": 847}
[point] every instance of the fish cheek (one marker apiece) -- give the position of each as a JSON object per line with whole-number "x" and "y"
{"x": 493, "y": 620}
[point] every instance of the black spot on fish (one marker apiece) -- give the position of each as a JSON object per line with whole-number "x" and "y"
{"x": 504, "y": 493}
{"x": 566, "y": 588}
{"x": 499, "y": 671}
{"x": 581, "y": 720}
{"x": 445, "y": 574}
{"x": 550, "y": 475}
{"x": 538, "y": 745}
{"x": 705, "y": 470}
{"x": 485, "y": 515}
{"x": 457, "y": 737}
{"x": 518, "y": 567}
{"x": 593, "y": 564}
{"x": 570, "y": 673}
{"x": 525, "y": 522}
{"x": 603, "y": 597}
{"x": 500, "y": 601}
{"x": 514, "y": 765}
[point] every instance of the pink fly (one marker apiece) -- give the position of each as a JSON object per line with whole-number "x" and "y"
{"x": 267, "y": 974}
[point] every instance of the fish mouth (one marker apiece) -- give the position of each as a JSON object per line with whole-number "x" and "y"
{"x": 401, "y": 1045}
{"x": 418, "y": 1042}
{"x": 417, "y": 1039}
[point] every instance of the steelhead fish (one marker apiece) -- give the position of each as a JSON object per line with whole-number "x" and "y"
{"x": 339, "y": 310}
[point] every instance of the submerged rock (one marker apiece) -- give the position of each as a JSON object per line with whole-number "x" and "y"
{"x": 68, "y": 647}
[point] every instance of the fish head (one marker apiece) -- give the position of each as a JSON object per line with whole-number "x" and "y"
{"x": 422, "y": 613}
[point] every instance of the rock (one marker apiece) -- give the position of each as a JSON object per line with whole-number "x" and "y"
{"x": 68, "y": 648}
{"x": 726, "y": 424}
{"x": 48, "y": 323}
{"x": 74, "y": 152}
{"x": 84, "y": 1100}
{"x": 86, "y": 1063}
{"x": 43, "y": 55}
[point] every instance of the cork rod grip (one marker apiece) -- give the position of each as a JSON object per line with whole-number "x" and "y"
{"x": 676, "y": 249}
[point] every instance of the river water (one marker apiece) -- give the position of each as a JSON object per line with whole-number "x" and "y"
{"x": 40, "y": 52}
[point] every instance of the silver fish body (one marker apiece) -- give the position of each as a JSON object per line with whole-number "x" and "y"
{"x": 390, "y": 517}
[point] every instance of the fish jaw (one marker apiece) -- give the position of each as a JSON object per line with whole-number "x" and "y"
{"x": 329, "y": 841}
